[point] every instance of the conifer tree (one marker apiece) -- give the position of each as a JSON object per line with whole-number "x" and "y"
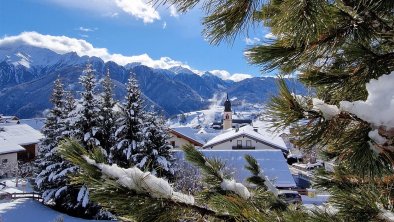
{"x": 52, "y": 169}
{"x": 85, "y": 121}
{"x": 154, "y": 155}
{"x": 128, "y": 135}
{"x": 70, "y": 106}
{"x": 344, "y": 50}
{"x": 106, "y": 115}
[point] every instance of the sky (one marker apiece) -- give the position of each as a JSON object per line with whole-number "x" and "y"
{"x": 126, "y": 31}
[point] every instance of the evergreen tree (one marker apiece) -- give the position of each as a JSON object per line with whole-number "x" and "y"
{"x": 338, "y": 47}
{"x": 106, "y": 115}
{"x": 85, "y": 119}
{"x": 128, "y": 135}
{"x": 154, "y": 155}
{"x": 69, "y": 107}
{"x": 52, "y": 169}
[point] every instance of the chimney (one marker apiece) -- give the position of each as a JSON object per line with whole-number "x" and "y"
{"x": 256, "y": 129}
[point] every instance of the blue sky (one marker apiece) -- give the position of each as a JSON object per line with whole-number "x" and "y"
{"x": 129, "y": 28}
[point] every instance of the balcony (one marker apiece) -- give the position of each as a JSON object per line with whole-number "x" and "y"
{"x": 244, "y": 148}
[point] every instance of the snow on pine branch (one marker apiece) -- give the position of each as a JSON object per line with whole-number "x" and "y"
{"x": 378, "y": 109}
{"x": 141, "y": 182}
{"x": 237, "y": 188}
{"x": 327, "y": 110}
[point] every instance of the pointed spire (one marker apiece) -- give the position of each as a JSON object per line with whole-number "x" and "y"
{"x": 227, "y": 105}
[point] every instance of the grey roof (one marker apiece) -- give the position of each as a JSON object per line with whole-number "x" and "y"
{"x": 199, "y": 135}
{"x": 272, "y": 162}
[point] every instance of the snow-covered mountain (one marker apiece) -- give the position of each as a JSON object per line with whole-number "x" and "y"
{"x": 27, "y": 74}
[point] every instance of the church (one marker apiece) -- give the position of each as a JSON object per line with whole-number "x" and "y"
{"x": 228, "y": 121}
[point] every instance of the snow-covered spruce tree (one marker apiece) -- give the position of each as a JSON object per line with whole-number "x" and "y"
{"x": 52, "y": 170}
{"x": 344, "y": 50}
{"x": 128, "y": 134}
{"x": 69, "y": 106}
{"x": 106, "y": 122}
{"x": 85, "y": 118}
{"x": 154, "y": 155}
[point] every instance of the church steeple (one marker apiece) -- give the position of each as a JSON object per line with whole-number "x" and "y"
{"x": 227, "y": 105}
{"x": 227, "y": 115}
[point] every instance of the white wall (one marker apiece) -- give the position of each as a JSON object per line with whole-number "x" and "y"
{"x": 228, "y": 145}
{"x": 12, "y": 163}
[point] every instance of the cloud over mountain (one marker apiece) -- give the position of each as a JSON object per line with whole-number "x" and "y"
{"x": 64, "y": 44}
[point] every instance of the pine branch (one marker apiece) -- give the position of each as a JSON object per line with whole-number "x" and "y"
{"x": 255, "y": 170}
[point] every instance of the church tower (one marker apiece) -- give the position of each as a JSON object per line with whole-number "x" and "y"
{"x": 227, "y": 115}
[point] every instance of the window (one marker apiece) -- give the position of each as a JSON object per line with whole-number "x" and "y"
{"x": 248, "y": 143}
{"x": 239, "y": 143}
{"x": 4, "y": 161}
{"x": 227, "y": 117}
{"x": 172, "y": 143}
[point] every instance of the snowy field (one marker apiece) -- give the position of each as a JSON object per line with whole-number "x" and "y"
{"x": 22, "y": 210}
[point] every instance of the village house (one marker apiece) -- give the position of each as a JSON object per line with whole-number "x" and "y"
{"x": 244, "y": 138}
{"x": 181, "y": 136}
{"x": 17, "y": 136}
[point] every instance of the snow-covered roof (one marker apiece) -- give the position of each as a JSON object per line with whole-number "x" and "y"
{"x": 36, "y": 123}
{"x": 199, "y": 135}
{"x": 8, "y": 147}
{"x": 271, "y": 161}
{"x": 249, "y": 131}
{"x": 20, "y": 134}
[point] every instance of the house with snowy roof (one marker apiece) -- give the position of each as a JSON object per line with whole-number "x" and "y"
{"x": 21, "y": 139}
{"x": 9, "y": 156}
{"x": 245, "y": 138}
{"x": 180, "y": 136}
{"x": 8, "y": 120}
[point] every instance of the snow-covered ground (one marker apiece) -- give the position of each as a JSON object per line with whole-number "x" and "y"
{"x": 21, "y": 210}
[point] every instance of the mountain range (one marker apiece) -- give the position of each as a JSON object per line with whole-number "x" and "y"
{"x": 27, "y": 74}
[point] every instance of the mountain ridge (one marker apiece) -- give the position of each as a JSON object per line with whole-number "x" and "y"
{"x": 27, "y": 75}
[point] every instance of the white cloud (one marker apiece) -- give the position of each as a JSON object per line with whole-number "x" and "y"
{"x": 239, "y": 77}
{"x": 223, "y": 74}
{"x": 252, "y": 41}
{"x": 113, "y": 15}
{"x": 139, "y": 9}
{"x": 83, "y": 29}
{"x": 64, "y": 44}
{"x": 269, "y": 36}
{"x": 164, "y": 25}
{"x": 84, "y": 35}
{"x": 173, "y": 11}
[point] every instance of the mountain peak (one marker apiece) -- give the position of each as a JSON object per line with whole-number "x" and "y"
{"x": 181, "y": 69}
